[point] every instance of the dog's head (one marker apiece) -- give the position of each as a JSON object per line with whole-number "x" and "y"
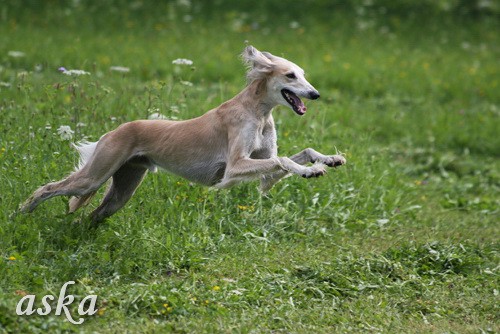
{"x": 285, "y": 80}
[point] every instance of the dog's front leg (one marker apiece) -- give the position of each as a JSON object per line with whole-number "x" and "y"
{"x": 247, "y": 169}
{"x": 311, "y": 155}
{"x": 308, "y": 155}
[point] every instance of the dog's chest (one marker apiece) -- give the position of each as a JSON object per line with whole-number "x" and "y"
{"x": 259, "y": 139}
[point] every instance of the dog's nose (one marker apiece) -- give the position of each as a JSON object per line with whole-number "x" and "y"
{"x": 313, "y": 95}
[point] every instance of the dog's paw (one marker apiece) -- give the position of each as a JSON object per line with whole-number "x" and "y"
{"x": 28, "y": 206}
{"x": 335, "y": 161}
{"x": 316, "y": 170}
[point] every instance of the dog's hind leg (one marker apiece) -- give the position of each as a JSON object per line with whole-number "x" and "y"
{"x": 125, "y": 181}
{"x": 85, "y": 181}
{"x": 76, "y": 202}
{"x": 74, "y": 185}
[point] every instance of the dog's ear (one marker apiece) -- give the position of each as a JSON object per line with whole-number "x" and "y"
{"x": 259, "y": 66}
{"x": 268, "y": 55}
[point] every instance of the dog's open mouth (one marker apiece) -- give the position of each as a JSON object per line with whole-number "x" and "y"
{"x": 296, "y": 103}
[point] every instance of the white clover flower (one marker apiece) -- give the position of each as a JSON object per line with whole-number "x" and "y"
{"x": 182, "y": 61}
{"x": 72, "y": 72}
{"x": 157, "y": 115}
{"x": 237, "y": 292}
{"x": 65, "y": 132}
{"x": 16, "y": 54}
{"x": 120, "y": 69}
{"x": 76, "y": 72}
{"x": 382, "y": 222}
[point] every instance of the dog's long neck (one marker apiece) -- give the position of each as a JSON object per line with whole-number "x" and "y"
{"x": 255, "y": 99}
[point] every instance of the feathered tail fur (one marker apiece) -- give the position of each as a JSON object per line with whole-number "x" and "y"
{"x": 86, "y": 150}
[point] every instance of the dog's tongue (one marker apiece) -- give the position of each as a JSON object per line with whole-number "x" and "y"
{"x": 299, "y": 105}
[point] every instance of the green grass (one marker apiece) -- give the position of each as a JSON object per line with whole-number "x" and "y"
{"x": 403, "y": 239}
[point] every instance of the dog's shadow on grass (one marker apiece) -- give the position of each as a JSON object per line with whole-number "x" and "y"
{"x": 62, "y": 231}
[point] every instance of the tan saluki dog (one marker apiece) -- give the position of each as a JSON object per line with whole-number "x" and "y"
{"x": 232, "y": 143}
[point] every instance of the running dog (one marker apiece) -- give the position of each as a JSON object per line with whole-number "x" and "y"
{"x": 232, "y": 143}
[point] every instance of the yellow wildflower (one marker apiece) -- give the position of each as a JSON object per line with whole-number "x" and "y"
{"x": 245, "y": 207}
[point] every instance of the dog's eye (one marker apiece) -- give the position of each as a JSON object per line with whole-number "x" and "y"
{"x": 291, "y": 76}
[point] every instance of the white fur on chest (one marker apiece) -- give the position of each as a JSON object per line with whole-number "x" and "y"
{"x": 258, "y": 141}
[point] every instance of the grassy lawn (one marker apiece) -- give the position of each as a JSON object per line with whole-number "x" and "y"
{"x": 403, "y": 239}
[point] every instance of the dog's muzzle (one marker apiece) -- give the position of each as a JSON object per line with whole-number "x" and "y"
{"x": 314, "y": 95}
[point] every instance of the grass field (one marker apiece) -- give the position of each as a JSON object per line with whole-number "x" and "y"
{"x": 403, "y": 239}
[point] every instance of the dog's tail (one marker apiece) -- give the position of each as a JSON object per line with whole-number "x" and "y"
{"x": 86, "y": 150}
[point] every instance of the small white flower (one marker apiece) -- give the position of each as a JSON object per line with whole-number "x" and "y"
{"x": 73, "y": 72}
{"x": 237, "y": 24}
{"x": 187, "y": 83}
{"x": 182, "y": 61}
{"x": 76, "y": 72}
{"x": 65, "y": 132}
{"x": 382, "y": 222}
{"x": 229, "y": 280}
{"x": 16, "y": 54}
{"x": 120, "y": 69}
{"x": 157, "y": 115}
{"x": 294, "y": 25}
{"x": 184, "y": 3}
{"x": 5, "y": 84}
